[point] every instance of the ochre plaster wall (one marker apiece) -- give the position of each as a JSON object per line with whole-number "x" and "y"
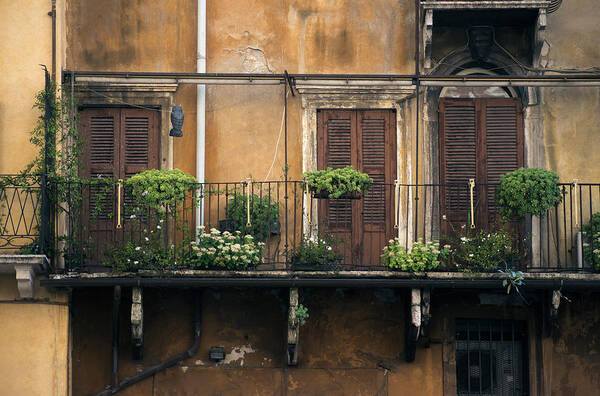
{"x": 130, "y": 36}
{"x": 571, "y": 116}
{"x": 35, "y": 341}
{"x": 26, "y": 36}
{"x": 353, "y": 343}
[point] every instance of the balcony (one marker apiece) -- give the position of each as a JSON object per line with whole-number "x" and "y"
{"x": 103, "y": 227}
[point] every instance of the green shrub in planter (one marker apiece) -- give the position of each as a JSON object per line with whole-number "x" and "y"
{"x": 424, "y": 256}
{"x": 484, "y": 251}
{"x": 527, "y": 191}
{"x": 591, "y": 244}
{"x": 337, "y": 183}
{"x": 315, "y": 253}
{"x": 160, "y": 188}
{"x": 264, "y": 214}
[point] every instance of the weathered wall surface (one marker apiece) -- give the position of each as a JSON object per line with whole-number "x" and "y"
{"x": 25, "y": 33}
{"x": 126, "y": 36}
{"x": 576, "y": 348}
{"x": 35, "y": 341}
{"x": 353, "y": 343}
{"x": 301, "y": 36}
{"x": 571, "y": 116}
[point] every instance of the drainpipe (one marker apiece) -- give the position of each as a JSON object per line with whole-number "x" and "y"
{"x": 201, "y": 106}
{"x": 167, "y": 363}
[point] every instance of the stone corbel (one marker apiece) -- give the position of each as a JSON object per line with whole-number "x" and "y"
{"x": 414, "y": 326}
{"x": 540, "y": 37}
{"x": 427, "y": 39}
{"x": 137, "y": 323}
{"x": 293, "y": 329}
{"x": 25, "y": 267}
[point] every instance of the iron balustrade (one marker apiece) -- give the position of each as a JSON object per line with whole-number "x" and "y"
{"x": 89, "y": 239}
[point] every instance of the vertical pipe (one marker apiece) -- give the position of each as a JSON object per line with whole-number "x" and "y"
{"x": 201, "y": 108}
{"x": 417, "y": 69}
{"x": 115, "y": 341}
{"x": 53, "y": 15}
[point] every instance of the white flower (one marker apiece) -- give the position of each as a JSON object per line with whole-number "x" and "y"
{"x": 144, "y": 193}
{"x": 137, "y": 248}
{"x": 146, "y": 238}
{"x": 136, "y": 262}
{"x": 132, "y": 216}
{"x": 328, "y": 247}
{"x": 158, "y": 227}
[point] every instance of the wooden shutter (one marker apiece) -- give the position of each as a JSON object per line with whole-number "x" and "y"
{"x": 458, "y": 152}
{"x": 480, "y": 139}
{"x": 363, "y": 139}
{"x": 504, "y": 144}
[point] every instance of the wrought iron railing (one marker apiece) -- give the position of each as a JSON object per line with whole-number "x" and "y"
{"x": 96, "y": 227}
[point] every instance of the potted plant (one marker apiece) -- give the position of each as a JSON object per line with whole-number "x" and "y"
{"x": 591, "y": 244}
{"x": 316, "y": 253}
{"x": 264, "y": 216}
{"x": 527, "y": 191}
{"x": 341, "y": 183}
{"x": 423, "y": 256}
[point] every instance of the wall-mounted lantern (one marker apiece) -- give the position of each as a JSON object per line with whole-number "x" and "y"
{"x": 216, "y": 354}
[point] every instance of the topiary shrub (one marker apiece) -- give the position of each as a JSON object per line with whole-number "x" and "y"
{"x": 527, "y": 191}
{"x": 337, "y": 183}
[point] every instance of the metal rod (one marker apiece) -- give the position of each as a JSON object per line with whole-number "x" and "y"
{"x": 115, "y": 341}
{"x": 285, "y": 170}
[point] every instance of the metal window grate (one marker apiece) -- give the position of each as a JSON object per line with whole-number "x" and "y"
{"x": 491, "y": 358}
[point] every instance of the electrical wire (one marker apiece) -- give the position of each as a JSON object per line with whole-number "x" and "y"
{"x": 277, "y": 144}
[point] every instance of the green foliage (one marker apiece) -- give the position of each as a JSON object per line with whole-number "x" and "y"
{"x": 301, "y": 314}
{"x": 317, "y": 252}
{"x": 591, "y": 245}
{"x": 484, "y": 251}
{"x": 160, "y": 189}
{"x": 424, "y": 256}
{"x": 512, "y": 280}
{"x": 527, "y": 191}
{"x": 225, "y": 251}
{"x": 264, "y": 211}
{"x": 337, "y": 182}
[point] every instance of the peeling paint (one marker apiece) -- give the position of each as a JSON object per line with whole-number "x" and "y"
{"x": 199, "y": 362}
{"x": 253, "y": 60}
{"x": 238, "y": 353}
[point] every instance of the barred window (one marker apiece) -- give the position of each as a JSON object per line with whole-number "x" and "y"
{"x": 491, "y": 357}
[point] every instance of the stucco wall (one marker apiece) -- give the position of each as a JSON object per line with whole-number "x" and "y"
{"x": 353, "y": 343}
{"x": 35, "y": 341}
{"x": 571, "y": 116}
{"x": 25, "y": 33}
{"x": 125, "y": 36}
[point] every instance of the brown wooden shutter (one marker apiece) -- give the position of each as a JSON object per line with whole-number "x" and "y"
{"x": 458, "y": 156}
{"x": 480, "y": 139}
{"x": 504, "y": 144}
{"x": 139, "y": 141}
{"x": 365, "y": 140}
{"x": 337, "y": 145}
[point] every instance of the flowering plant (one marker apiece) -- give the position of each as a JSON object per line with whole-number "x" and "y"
{"x": 315, "y": 252}
{"x": 423, "y": 256}
{"x": 485, "y": 251}
{"x": 591, "y": 246}
{"x": 225, "y": 250}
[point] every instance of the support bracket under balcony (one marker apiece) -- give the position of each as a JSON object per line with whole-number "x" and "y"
{"x": 293, "y": 329}
{"x": 419, "y": 313}
{"x": 25, "y": 267}
{"x": 137, "y": 323}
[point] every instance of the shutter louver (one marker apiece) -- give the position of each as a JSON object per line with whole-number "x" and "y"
{"x": 501, "y": 147}
{"x": 136, "y": 141}
{"x": 459, "y": 151}
{"x": 102, "y": 141}
{"x": 339, "y": 143}
{"x": 373, "y": 132}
